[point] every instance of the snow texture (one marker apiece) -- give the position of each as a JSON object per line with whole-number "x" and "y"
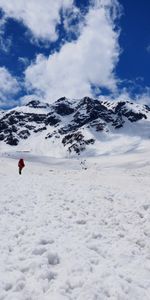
{"x": 69, "y": 232}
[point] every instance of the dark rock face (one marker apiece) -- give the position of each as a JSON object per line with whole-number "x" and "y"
{"x": 77, "y": 142}
{"x": 24, "y": 134}
{"x": 11, "y": 140}
{"x": 40, "y": 129}
{"x": 89, "y": 110}
{"x": 63, "y": 109}
{"x": 37, "y": 118}
{"x": 65, "y": 120}
{"x": 132, "y": 116}
{"x": 74, "y": 137}
{"x": 118, "y": 122}
{"x": 33, "y": 103}
{"x": 51, "y": 119}
{"x": 37, "y": 104}
{"x": 99, "y": 125}
{"x": 2, "y": 137}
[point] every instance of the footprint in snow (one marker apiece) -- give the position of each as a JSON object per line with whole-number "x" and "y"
{"x": 96, "y": 236}
{"x": 8, "y": 286}
{"x": 53, "y": 259}
{"x": 48, "y": 275}
{"x": 20, "y": 286}
{"x": 81, "y": 222}
{"x": 39, "y": 251}
{"x": 140, "y": 214}
{"x": 146, "y": 206}
{"x": 44, "y": 241}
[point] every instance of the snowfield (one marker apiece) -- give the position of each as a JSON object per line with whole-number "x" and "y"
{"x": 68, "y": 233}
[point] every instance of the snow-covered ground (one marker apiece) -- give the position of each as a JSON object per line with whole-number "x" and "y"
{"x": 67, "y": 233}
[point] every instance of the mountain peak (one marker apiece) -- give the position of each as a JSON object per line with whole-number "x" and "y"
{"x": 37, "y": 104}
{"x": 72, "y": 126}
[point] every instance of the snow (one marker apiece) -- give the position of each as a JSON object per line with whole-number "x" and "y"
{"x": 70, "y": 233}
{"x": 133, "y": 136}
{"x": 128, "y": 105}
{"x": 39, "y": 138}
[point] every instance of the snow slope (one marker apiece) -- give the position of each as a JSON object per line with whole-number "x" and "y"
{"x": 72, "y": 234}
{"x": 86, "y": 127}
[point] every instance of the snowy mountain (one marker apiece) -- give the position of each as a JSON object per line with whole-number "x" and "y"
{"x": 74, "y": 127}
{"x": 69, "y": 232}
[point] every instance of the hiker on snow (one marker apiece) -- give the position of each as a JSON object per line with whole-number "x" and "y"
{"x": 21, "y": 165}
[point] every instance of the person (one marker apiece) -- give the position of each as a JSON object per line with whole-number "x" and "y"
{"x": 21, "y": 165}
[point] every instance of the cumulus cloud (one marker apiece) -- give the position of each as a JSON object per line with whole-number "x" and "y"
{"x": 9, "y": 87}
{"x": 41, "y": 17}
{"x": 79, "y": 65}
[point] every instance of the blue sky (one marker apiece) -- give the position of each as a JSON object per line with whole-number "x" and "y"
{"x": 74, "y": 49}
{"x": 134, "y": 63}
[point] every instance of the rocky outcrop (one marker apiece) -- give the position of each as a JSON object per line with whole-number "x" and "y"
{"x": 66, "y": 119}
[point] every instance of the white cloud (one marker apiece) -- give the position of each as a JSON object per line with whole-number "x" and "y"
{"x": 126, "y": 95}
{"x": 148, "y": 48}
{"x": 5, "y": 43}
{"x": 27, "y": 98}
{"x": 9, "y": 87}
{"x": 24, "y": 61}
{"x": 144, "y": 98}
{"x": 88, "y": 61}
{"x": 40, "y": 16}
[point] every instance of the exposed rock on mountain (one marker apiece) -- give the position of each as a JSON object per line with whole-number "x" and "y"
{"x": 76, "y": 124}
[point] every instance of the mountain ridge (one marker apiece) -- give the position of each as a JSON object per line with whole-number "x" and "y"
{"x": 77, "y": 125}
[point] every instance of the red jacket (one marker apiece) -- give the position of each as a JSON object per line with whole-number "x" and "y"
{"x": 21, "y": 163}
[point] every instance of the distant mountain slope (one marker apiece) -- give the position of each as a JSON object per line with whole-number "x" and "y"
{"x": 72, "y": 127}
